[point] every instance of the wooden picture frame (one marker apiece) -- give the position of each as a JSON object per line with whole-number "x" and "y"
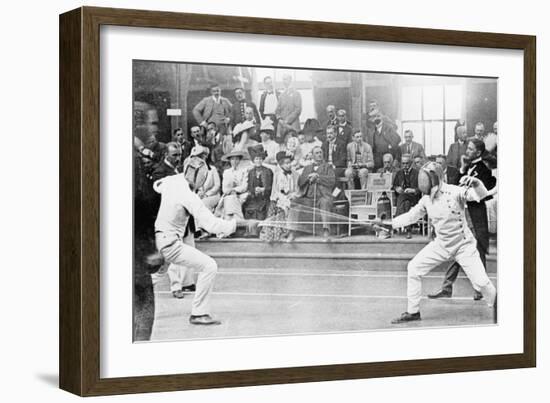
{"x": 80, "y": 199}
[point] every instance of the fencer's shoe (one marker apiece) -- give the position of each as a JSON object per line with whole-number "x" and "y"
{"x": 477, "y": 296}
{"x": 178, "y": 294}
{"x": 291, "y": 237}
{"x": 326, "y": 235}
{"x": 203, "y": 320}
{"x": 189, "y": 288}
{"x": 440, "y": 294}
{"x": 406, "y": 317}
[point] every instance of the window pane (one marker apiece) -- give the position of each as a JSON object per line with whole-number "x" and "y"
{"x": 411, "y": 98}
{"x": 433, "y": 102}
{"x": 261, "y": 73}
{"x": 303, "y": 75}
{"x": 434, "y": 138}
{"x": 449, "y": 134}
{"x": 453, "y": 101}
{"x": 417, "y": 129}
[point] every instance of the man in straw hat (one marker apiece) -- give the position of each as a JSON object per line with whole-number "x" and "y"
{"x": 445, "y": 206}
{"x": 179, "y": 207}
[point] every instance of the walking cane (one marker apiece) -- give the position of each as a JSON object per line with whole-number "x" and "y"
{"x": 314, "y": 204}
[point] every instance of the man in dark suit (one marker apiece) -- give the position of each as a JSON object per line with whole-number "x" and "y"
{"x": 268, "y": 102}
{"x": 335, "y": 152}
{"x": 472, "y": 165}
{"x": 344, "y": 129}
{"x": 170, "y": 164}
{"x": 384, "y": 140}
{"x": 451, "y": 175}
{"x": 331, "y": 117}
{"x": 238, "y": 109}
{"x": 411, "y": 147}
{"x": 405, "y": 184}
{"x": 458, "y": 149}
{"x": 316, "y": 184}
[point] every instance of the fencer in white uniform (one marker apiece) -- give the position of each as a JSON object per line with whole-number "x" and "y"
{"x": 445, "y": 206}
{"x": 178, "y": 203}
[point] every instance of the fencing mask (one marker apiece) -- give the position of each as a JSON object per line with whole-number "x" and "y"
{"x": 429, "y": 177}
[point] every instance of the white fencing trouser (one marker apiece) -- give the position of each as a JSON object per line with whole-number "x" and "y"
{"x": 434, "y": 254}
{"x": 179, "y": 277}
{"x": 176, "y": 252}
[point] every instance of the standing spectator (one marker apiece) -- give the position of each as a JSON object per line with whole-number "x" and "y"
{"x": 316, "y": 184}
{"x": 373, "y": 114}
{"x": 284, "y": 190}
{"x": 384, "y": 140}
{"x": 360, "y": 160}
{"x": 260, "y": 180}
{"x": 288, "y": 109}
{"x": 479, "y": 131}
{"x": 450, "y": 174}
{"x": 334, "y": 152}
{"x": 214, "y": 108}
{"x": 186, "y": 145}
{"x": 458, "y": 149}
{"x": 331, "y": 117}
{"x": 239, "y": 111}
{"x": 473, "y": 166}
{"x": 411, "y": 147}
{"x": 344, "y": 130}
{"x": 268, "y": 102}
{"x": 405, "y": 184}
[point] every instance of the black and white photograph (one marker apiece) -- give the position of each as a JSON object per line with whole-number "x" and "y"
{"x": 273, "y": 201}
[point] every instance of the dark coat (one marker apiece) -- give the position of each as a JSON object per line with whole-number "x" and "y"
{"x": 262, "y": 102}
{"x": 417, "y": 150}
{"x": 161, "y": 170}
{"x": 344, "y": 133}
{"x": 456, "y": 150}
{"x": 325, "y": 183}
{"x": 339, "y": 155}
{"x": 387, "y": 141}
{"x": 237, "y": 112}
{"x": 453, "y": 175}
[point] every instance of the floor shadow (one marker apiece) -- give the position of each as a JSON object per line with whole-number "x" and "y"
{"x": 50, "y": 379}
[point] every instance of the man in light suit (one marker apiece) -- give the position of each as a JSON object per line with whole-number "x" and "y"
{"x": 458, "y": 149}
{"x": 288, "y": 109}
{"x": 214, "y": 108}
{"x": 360, "y": 160}
{"x": 411, "y": 147}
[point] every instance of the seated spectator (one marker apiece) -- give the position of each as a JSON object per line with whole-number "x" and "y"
{"x": 209, "y": 191}
{"x": 479, "y": 131}
{"x": 170, "y": 164}
{"x": 308, "y": 141}
{"x": 218, "y": 148}
{"x": 450, "y": 174}
{"x": 271, "y": 147}
{"x": 234, "y": 186}
{"x": 260, "y": 180}
{"x": 418, "y": 162}
{"x": 241, "y": 139}
{"x": 186, "y": 145}
{"x": 405, "y": 184}
{"x": 316, "y": 184}
{"x": 457, "y": 149}
{"x": 411, "y": 147}
{"x": 344, "y": 130}
{"x": 292, "y": 150}
{"x": 283, "y": 191}
{"x": 359, "y": 159}
{"x": 388, "y": 167}
{"x": 334, "y": 152}
{"x": 243, "y": 110}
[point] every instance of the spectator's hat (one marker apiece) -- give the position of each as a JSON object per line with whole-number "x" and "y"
{"x": 257, "y": 151}
{"x": 281, "y": 155}
{"x": 312, "y": 126}
{"x": 241, "y": 127}
{"x": 198, "y": 150}
{"x": 234, "y": 153}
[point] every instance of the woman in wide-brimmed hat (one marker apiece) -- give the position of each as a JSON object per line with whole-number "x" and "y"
{"x": 241, "y": 135}
{"x": 260, "y": 179}
{"x": 234, "y": 186}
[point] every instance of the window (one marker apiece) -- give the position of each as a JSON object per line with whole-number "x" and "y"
{"x": 431, "y": 112}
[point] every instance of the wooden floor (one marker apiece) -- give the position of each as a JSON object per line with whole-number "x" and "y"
{"x": 264, "y": 301}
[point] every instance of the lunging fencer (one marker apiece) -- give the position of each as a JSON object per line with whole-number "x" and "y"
{"x": 445, "y": 206}
{"x": 181, "y": 208}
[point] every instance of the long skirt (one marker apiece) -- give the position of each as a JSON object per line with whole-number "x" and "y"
{"x": 279, "y": 230}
